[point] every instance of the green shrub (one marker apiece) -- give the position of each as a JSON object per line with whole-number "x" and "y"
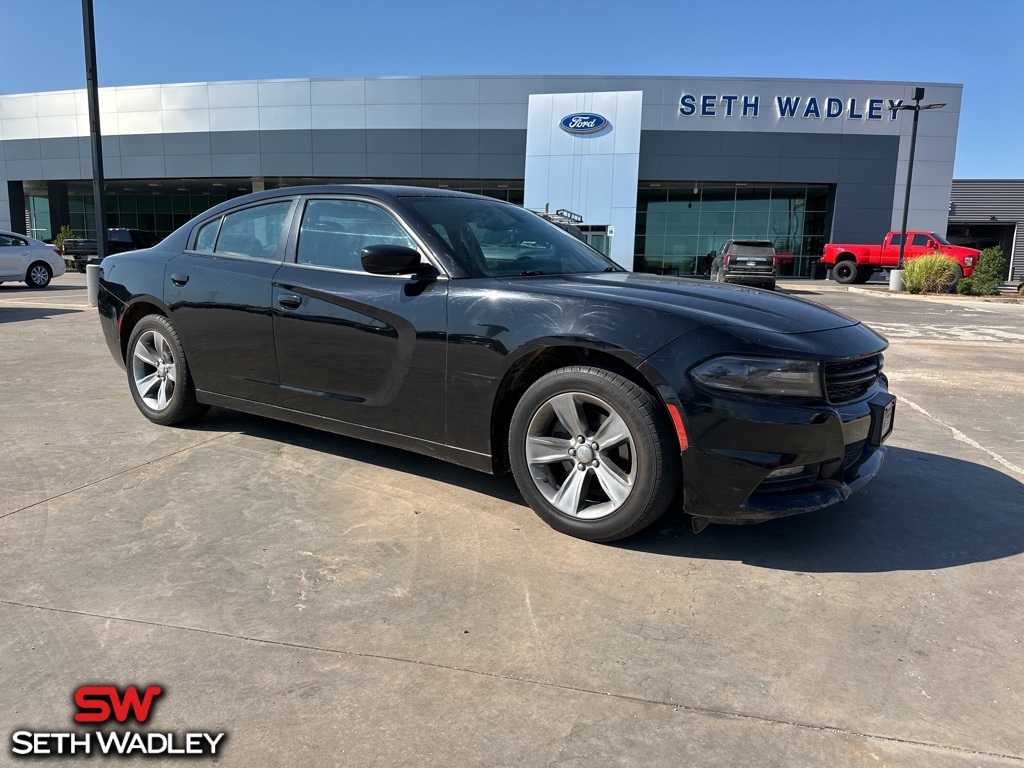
{"x": 64, "y": 234}
{"x": 965, "y": 286}
{"x": 929, "y": 274}
{"x": 990, "y": 272}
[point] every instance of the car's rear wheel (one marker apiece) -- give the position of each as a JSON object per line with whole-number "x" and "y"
{"x": 593, "y": 453}
{"x": 80, "y": 266}
{"x": 158, "y": 374}
{"x": 38, "y": 275}
{"x": 845, "y": 272}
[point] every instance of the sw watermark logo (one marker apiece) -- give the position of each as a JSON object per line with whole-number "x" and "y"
{"x": 583, "y": 122}
{"x": 102, "y": 704}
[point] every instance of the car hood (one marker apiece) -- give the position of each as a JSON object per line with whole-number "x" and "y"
{"x": 717, "y": 304}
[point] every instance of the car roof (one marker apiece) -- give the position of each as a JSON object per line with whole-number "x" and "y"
{"x": 18, "y": 234}
{"x": 383, "y": 191}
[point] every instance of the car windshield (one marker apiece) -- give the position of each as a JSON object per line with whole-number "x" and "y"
{"x": 495, "y": 239}
{"x": 940, "y": 239}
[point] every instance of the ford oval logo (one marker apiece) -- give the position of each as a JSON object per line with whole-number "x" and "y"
{"x": 583, "y": 122}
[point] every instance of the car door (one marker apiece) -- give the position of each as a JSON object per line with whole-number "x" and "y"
{"x": 890, "y": 256}
{"x": 356, "y": 347}
{"x": 920, "y": 245}
{"x": 14, "y": 257}
{"x": 219, "y": 293}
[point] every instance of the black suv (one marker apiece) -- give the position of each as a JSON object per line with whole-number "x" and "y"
{"x": 749, "y": 262}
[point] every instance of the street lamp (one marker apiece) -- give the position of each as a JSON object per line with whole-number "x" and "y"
{"x": 916, "y": 107}
{"x": 92, "y": 89}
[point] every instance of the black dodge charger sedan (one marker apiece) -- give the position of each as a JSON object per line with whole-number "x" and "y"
{"x": 475, "y": 331}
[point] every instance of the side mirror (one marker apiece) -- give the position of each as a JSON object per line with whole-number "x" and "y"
{"x": 390, "y": 259}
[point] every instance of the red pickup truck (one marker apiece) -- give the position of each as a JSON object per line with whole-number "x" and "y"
{"x": 856, "y": 263}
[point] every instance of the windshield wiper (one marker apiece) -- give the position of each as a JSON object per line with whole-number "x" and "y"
{"x": 531, "y": 272}
{"x": 613, "y": 269}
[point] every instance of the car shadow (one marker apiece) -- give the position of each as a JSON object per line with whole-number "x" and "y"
{"x": 12, "y": 287}
{"x": 222, "y": 420}
{"x": 9, "y": 314}
{"x": 923, "y": 512}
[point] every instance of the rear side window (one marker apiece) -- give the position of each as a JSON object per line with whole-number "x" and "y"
{"x": 896, "y": 239}
{"x": 334, "y": 233}
{"x": 207, "y": 237}
{"x": 11, "y": 240}
{"x": 254, "y": 232}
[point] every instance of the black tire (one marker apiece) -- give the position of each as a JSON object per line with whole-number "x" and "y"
{"x": 845, "y": 272}
{"x": 160, "y": 343}
{"x": 648, "y": 458}
{"x": 863, "y": 275}
{"x": 80, "y": 267}
{"x": 38, "y": 274}
{"x": 958, "y": 275}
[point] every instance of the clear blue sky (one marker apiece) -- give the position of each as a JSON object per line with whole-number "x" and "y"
{"x": 143, "y": 42}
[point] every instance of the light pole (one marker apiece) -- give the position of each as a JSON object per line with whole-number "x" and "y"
{"x": 916, "y": 107}
{"x": 92, "y": 88}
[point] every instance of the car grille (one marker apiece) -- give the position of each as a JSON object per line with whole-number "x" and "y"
{"x": 848, "y": 380}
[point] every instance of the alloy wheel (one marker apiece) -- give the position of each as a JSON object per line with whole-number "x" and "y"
{"x": 39, "y": 275}
{"x": 154, "y": 370}
{"x": 581, "y": 455}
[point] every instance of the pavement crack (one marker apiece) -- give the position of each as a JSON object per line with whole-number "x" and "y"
{"x": 676, "y": 706}
{"x": 112, "y": 475}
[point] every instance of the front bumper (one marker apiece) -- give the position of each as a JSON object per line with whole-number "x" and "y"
{"x": 727, "y": 466}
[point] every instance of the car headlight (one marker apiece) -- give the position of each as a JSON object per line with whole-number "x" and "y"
{"x": 760, "y": 376}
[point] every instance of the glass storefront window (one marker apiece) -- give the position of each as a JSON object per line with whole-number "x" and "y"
{"x": 677, "y": 226}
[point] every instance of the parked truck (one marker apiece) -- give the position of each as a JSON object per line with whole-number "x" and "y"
{"x": 856, "y": 263}
{"x": 79, "y": 253}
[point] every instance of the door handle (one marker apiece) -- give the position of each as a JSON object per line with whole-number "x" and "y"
{"x": 289, "y": 301}
{"x": 179, "y": 279}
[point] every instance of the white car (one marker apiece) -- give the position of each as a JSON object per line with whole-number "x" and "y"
{"x": 29, "y": 260}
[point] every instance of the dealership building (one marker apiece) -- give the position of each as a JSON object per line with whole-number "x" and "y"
{"x": 657, "y": 171}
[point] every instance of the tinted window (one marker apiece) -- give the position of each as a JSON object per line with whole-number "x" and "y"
{"x": 896, "y": 239}
{"x": 207, "y": 236}
{"x": 10, "y": 240}
{"x": 491, "y": 239}
{"x": 752, "y": 248}
{"x": 119, "y": 236}
{"x": 253, "y": 232}
{"x": 920, "y": 240}
{"x": 334, "y": 233}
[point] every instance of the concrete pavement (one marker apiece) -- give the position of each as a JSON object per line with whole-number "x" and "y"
{"x": 331, "y": 602}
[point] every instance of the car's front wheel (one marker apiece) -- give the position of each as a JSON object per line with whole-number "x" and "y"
{"x": 158, "y": 374}
{"x": 38, "y": 275}
{"x": 593, "y": 453}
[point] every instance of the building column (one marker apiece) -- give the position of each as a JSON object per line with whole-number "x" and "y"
{"x": 16, "y": 196}
{"x": 60, "y": 213}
